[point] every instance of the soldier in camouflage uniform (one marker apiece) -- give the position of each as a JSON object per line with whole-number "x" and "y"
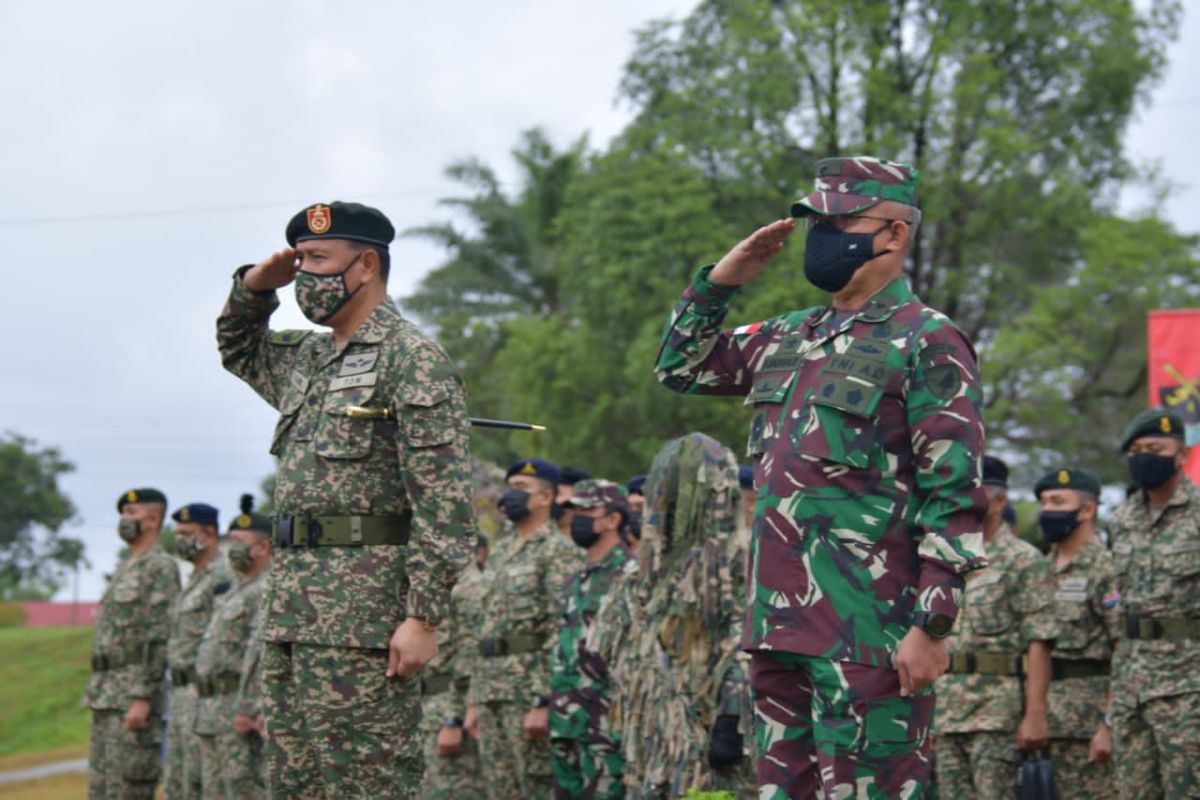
{"x": 129, "y": 657}
{"x": 668, "y": 633}
{"x": 1088, "y": 610}
{"x": 510, "y": 689}
{"x": 865, "y": 443}
{"x": 196, "y": 541}
{"x": 249, "y": 718}
{"x": 373, "y": 499}
{"x": 1156, "y": 669}
{"x": 587, "y": 758}
{"x": 230, "y": 760}
{"x": 452, "y": 758}
{"x": 991, "y": 706}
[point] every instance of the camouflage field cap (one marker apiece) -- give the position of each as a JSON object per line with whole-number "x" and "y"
{"x": 850, "y": 185}
{"x": 1153, "y": 422}
{"x": 593, "y": 492}
{"x": 1068, "y": 478}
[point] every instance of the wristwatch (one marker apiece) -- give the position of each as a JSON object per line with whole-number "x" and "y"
{"x": 452, "y": 722}
{"x": 1108, "y": 719}
{"x": 936, "y": 625}
{"x": 539, "y": 701}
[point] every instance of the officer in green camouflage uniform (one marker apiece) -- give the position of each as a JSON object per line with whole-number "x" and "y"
{"x": 452, "y": 758}
{"x": 129, "y": 657}
{"x": 587, "y": 757}
{"x": 249, "y": 718}
{"x": 373, "y": 498}
{"x": 196, "y": 541}
{"x": 865, "y": 443}
{"x": 230, "y": 761}
{"x": 1156, "y": 669}
{"x": 510, "y": 691}
{"x": 668, "y": 633}
{"x": 987, "y": 713}
{"x": 1088, "y": 610}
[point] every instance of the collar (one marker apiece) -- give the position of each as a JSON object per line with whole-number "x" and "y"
{"x": 1184, "y": 493}
{"x": 615, "y": 557}
{"x": 375, "y": 327}
{"x": 881, "y": 306}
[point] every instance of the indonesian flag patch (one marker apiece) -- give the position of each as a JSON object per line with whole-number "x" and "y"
{"x": 747, "y": 329}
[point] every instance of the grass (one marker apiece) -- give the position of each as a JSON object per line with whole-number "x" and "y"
{"x": 43, "y": 672}
{"x": 58, "y": 787}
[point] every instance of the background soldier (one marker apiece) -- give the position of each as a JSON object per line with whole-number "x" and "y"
{"x": 509, "y": 693}
{"x": 1156, "y": 558}
{"x": 1008, "y": 612}
{"x": 1087, "y": 607}
{"x": 587, "y": 753}
{"x": 373, "y": 496}
{"x": 865, "y": 438}
{"x": 231, "y": 760}
{"x": 129, "y": 657}
{"x": 196, "y": 541}
{"x": 669, "y": 631}
{"x": 452, "y": 759}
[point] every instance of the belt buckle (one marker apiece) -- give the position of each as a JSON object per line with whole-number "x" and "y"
{"x": 970, "y": 662}
{"x": 284, "y": 526}
{"x": 1157, "y": 629}
{"x": 314, "y": 531}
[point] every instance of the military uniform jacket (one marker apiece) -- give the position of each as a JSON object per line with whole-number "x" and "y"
{"x": 333, "y": 464}
{"x": 249, "y": 699}
{"x": 193, "y": 608}
{"x": 524, "y": 597}
{"x": 1005, "y": 607}
{"x": 1088, "y": 609}
{"x": 131, "y": 630}
{"x": 458, "y": 650}
{"x": 223, "y": 652}
{"x": 579, "y": 701}
{"x": 866, "y": 439}
{"x": 1156, "y": 560}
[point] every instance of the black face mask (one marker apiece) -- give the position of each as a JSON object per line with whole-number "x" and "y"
{"x": 831, "y": 257}
{"x": 557, "y": 511}
{"x": 1058, "y": 525}
{"x": 583, "y": 531}
{"x": 635, "y": 524}
{"x": 1151, "y": 471}
{"x": 515, "y": 504}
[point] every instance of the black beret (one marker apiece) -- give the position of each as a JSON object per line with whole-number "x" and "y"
{"x": 340, "y": 220}
{"x": 1010, "y": 514}
{"x": 146, "y": 495}
{"x": 636, "y": 484}
{"x": 745, "y": 477}
{"x": 1068, "y": 478}
{"x": 995, "y": 471}
{"x": 202, "y": 513}
{"x": 535, "y": 467}
{"x": 572, "y": 475}
{"x": 252, "y": 521}
{"x": 1153, "y": 422}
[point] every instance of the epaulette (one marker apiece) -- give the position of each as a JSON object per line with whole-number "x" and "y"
{"x": 289, "y": 338}
{"x": 221, "y": 588}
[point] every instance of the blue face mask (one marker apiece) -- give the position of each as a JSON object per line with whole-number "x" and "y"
{"x": 1058, "y": 525}
{"x": 831, "y": 257}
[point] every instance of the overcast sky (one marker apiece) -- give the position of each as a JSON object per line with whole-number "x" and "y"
{"x": 151, "y": 148}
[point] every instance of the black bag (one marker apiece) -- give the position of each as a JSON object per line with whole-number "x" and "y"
{"x": 1035, "y": 780}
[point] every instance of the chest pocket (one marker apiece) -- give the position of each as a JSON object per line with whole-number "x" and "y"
{"x": 236, "y": 628}
{"x": 431, "y": 419}
{"x": 522, "y": 591}
{"x": 767, "y": 394}
{"x": 339, "y": 435}
{"x": 990, "y": 612}
{"x": 289, "y": 409}
{"x": 1071, "y": 603}
{"x": 1181, "y": 563}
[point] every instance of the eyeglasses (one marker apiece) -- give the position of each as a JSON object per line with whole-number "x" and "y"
{"x": 840, "y": 222}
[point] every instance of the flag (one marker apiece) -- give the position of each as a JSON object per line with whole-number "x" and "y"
{"x": 1174, "y": 371}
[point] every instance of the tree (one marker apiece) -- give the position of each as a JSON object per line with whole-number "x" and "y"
{"x": 33, "y": 556}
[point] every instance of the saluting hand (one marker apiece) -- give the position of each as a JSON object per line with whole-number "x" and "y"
{"x": 747, "y": 259}
{"x": 273, "y": 272}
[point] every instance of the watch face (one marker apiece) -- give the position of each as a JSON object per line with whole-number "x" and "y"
{"x": 938, "y": 625}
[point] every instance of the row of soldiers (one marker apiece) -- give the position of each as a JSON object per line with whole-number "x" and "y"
{"x": 188, "y": 654}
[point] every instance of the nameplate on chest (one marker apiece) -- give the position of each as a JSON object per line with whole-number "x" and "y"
{"x": 353, "y": 381}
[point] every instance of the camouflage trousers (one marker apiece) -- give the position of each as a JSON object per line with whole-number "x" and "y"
{"x": 337, "y": 727}
{"x": 232, "y": 766}
{"x": 981, "y": 764}
{"x": 591, "y": 768}
{"x": 123, "y": 765}
{"x": 1156, "y": 747}
{"x": 181, "y": 776}
{"x": 836, "y": 729}
{"x": 512, "y": 768}
{"x": 451, "y": 778}
{"x": 1074, "y": 777}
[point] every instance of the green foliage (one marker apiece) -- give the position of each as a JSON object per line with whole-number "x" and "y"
{"x": 33, "y": 556}
{"x": 43, "y": 673}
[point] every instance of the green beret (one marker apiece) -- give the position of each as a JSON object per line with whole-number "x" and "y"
{"x": 1068, "y": 478}
{"x": 146, "y": 495}
{"x": 340, "y": 220}
{"x": 252, "y": 521}
{"x": 1153, "y": 422}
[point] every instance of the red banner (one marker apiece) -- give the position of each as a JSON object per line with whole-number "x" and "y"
{"x": 1174, "y": 371}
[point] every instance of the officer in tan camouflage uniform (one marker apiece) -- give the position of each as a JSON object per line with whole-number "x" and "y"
{"x": 1156, "y": 669}
{"x": 509, "y": 694}
{"x": 230, "y": 760}
{"x": 129, "y": 657}
{"x": 373, "y": 498}
{"x": 1087, "y": 607}
{"x": 452, "y": 758}
{"x": 990, "y": 706}
{"x": 196, "y": 541}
